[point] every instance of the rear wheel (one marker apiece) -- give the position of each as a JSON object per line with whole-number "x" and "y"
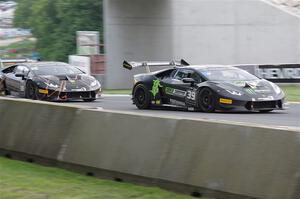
{"x": 3, "y": 88}
{"x": 141, "y": 97}
{"x": 206, "y": 100}
{"x": 6, "y": 92}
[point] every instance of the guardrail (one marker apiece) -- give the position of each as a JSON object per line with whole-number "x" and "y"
{"x": 203, "y": 157}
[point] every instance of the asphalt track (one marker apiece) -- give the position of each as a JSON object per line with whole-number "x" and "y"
{"x": 289, "y": 118}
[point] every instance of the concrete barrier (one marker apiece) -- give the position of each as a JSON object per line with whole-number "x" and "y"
{"x": 214, "y": 158}
{"x": 34, "y": 128}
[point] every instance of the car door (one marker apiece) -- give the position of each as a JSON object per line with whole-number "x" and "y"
{"x": 14, "y": 83}
{"x": 174, "y": 87}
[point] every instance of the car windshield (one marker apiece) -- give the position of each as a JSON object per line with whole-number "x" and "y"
{"x": 227, "y": 75}
{"x": 56, "y": 70}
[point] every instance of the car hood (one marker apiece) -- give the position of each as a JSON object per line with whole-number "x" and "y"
{"x": 81, "y": 82}
{"x": 252, "y": 87}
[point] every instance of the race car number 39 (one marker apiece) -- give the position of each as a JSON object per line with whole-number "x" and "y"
{"x": 191, "y": 95}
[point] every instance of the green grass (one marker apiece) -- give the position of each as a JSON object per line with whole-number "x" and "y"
{"x": 292, "y": 92}
{"x": 30, "y": 181}
{"x": 117, "y": 91}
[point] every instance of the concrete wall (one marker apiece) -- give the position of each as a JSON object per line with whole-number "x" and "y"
{"x": 200, "y": 31}
{"x": 135, "y": 29}
{"x": 39, "y": 129}
{"x": 224, "y": 160}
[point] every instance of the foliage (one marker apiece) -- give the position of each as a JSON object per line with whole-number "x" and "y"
{"x": 54, "y": 23}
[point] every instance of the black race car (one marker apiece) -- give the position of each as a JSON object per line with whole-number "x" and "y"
{"x": 55, "y": 81}
{"x": 205, "y": 88}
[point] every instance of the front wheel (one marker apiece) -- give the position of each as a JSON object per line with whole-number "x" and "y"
{"x": 141, "y": 97}
{"x": 89, "y": 100}
{"x": 265, "y": 111}
{"x": 6, "y": 92}
{"x": 31, "y": 91}
{"x": 206, "y": 100}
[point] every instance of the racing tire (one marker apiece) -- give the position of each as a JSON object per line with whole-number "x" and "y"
{"x": 207, "y": 100}
{"x": 141, "y": 97}
{"x": 265, "y": 111}
{"x": 3, "y": 88}
{"x": 6, "y": 92}
{"x": 89, "y": 100}
{"x": 31, "y": 91}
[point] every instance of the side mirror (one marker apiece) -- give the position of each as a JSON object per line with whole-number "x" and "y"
{"x": 20, "y": 75}
{"x": 189, "y": 80}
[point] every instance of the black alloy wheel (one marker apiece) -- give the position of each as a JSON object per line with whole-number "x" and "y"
{"x": 3, "y": 86}
{"x": 6, "y": 92}
{"x": 89, "y": 100}
{"x": 206, "y": 100}
{"x": 265, "y": 111}
{"x": 31, "y": 91}
{"x": 141, "y": 97}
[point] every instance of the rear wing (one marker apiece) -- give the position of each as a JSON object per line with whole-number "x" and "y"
{"x": 147, "y": 65}
{"x": 8, "y": 62}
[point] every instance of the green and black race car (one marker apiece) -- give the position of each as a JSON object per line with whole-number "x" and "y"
{"x": 205, "y": 88}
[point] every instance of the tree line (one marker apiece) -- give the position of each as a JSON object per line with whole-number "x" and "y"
{"x": 54, "y": 23}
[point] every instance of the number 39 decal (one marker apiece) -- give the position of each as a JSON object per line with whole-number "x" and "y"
{"x": 191, "y": 95}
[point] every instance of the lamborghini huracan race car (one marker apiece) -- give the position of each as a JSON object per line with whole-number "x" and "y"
{"x": 203, "y": 87}
{"x": 56, "y": 81}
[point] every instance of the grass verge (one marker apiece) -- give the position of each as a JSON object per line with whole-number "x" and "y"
{"x": 30, "y": 181}
{"x": 117, "y": 91}
{"x": 292, "y": 92}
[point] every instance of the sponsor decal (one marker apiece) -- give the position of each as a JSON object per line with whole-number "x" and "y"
{"x": 43, "y": 91}
{"x": 155, "y": 87}
{"x": 169, "y": 91}
{"x": 225, "y": 101}
{"x": 176, "y": 92}
{"x": 179, "y": 92}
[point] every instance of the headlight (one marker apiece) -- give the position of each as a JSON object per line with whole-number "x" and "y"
{"x": 276, "y": 88}
{"x": 234, "y": 92}
{"x": 95, "y": 83}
